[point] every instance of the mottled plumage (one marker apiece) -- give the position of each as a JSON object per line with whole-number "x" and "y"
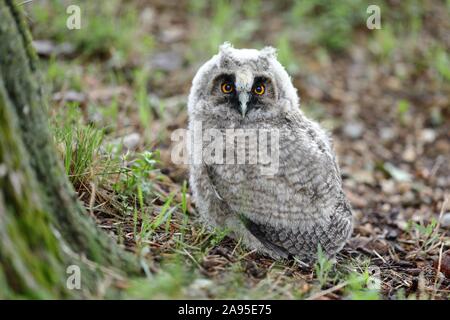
{"x": 292, "y": 211}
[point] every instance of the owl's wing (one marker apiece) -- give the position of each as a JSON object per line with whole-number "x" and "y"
{"x": 304, "y": 243}
{"x": 262, "y": 235}
{"x": 308, "y": 164}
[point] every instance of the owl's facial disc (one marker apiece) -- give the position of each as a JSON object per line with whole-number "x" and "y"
{"x": 242, "y": 91}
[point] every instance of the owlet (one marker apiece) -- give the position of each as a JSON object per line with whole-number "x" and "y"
{"x": 258, "y": 166}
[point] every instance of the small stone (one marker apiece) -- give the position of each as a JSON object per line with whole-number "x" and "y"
{"x": 172, "y": 34}
{"x": 402, "y": 225}
{"x": 387, "y": 134}
{"x": 363, "y": 176}
{"x": 428, "y": 135}
{"x": 201, "y": 284}
{"x": 409, "y": 198}
{"x": 392, "y": 234}
{"x": 147, "y": 18}
{"x": 409, "y": 154}
{"x": 445, "y": 222}
{"x": 354, "y": 130}
{"x": 200, "y": 287}
{"x": 70, "y": 96}
{"x": 388, "y": 186}
{"x": 131, "y": 141}
{"x": 47, "y": 48}
{"x": 44, "y": 47}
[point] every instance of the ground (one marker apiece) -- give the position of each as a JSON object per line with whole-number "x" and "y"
{"x": 118, "y": 87}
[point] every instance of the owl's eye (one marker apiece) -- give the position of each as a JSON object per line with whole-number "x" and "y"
{"x": 259, "y": 89}
{"x": 227, "y": 87}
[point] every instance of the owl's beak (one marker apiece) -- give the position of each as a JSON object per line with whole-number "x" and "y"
{"x": 243, "y": 102}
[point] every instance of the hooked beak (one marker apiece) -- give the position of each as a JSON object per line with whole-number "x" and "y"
{"x": 243, "y": 102}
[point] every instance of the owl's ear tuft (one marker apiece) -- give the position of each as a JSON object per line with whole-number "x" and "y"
{"x": 269, "y": 52}
{"x": 225, "y": 54}
{"x": 225, "y": 48}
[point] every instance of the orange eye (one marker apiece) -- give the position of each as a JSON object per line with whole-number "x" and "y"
{"x": 227, "y": 87}
{"x": 259, "y": 89}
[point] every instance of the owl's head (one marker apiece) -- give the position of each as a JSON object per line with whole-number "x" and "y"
{"x": 242, "y": 85}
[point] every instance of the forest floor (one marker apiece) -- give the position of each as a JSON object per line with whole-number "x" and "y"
{"x": 118, "y": 87}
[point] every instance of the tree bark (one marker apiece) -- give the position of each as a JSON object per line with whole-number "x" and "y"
{"x": 43, "y": 227}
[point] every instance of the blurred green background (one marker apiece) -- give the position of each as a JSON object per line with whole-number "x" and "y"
{"x": 155, "y": 47}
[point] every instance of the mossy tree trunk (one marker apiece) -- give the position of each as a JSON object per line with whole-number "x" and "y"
{"x": 43, "y": 228}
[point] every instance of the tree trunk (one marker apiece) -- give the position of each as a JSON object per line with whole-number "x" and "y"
{"x": 43, "y": 228}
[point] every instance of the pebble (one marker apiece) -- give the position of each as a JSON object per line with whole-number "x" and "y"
{"x": 445, "y": 222}
{"x": 131, "y": 141}
{"x": 354, "y": 130}
{"x": 47, "y": 48}
{"x": 387, "y": 134}
{"x": 428, "y": 135}
{"x": 70, "y": 96}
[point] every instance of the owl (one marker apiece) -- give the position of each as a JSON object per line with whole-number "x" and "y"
{"x": 289, "y": 211}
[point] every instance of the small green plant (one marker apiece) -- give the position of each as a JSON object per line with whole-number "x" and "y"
{"x": 425, "y": 230}
{"x": 150, "y": 225}
{"x": 143, "y": 103}
{"x": 79, "y": 145}
{"x": 136, "y": 175}
{"x": 322, "y": 267}
{"x": 427, "y": 237}
{"x": 165, "y": 214}
{"x": 184, "y": 198}
{"x": 218, "y": 235}
{"x": 403, "y": 107}
{"x": 207, "y": 239}
{"x": 357, "y": 288}
{"x": 184, "y": 208}
{"x": 441, "y": 61}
